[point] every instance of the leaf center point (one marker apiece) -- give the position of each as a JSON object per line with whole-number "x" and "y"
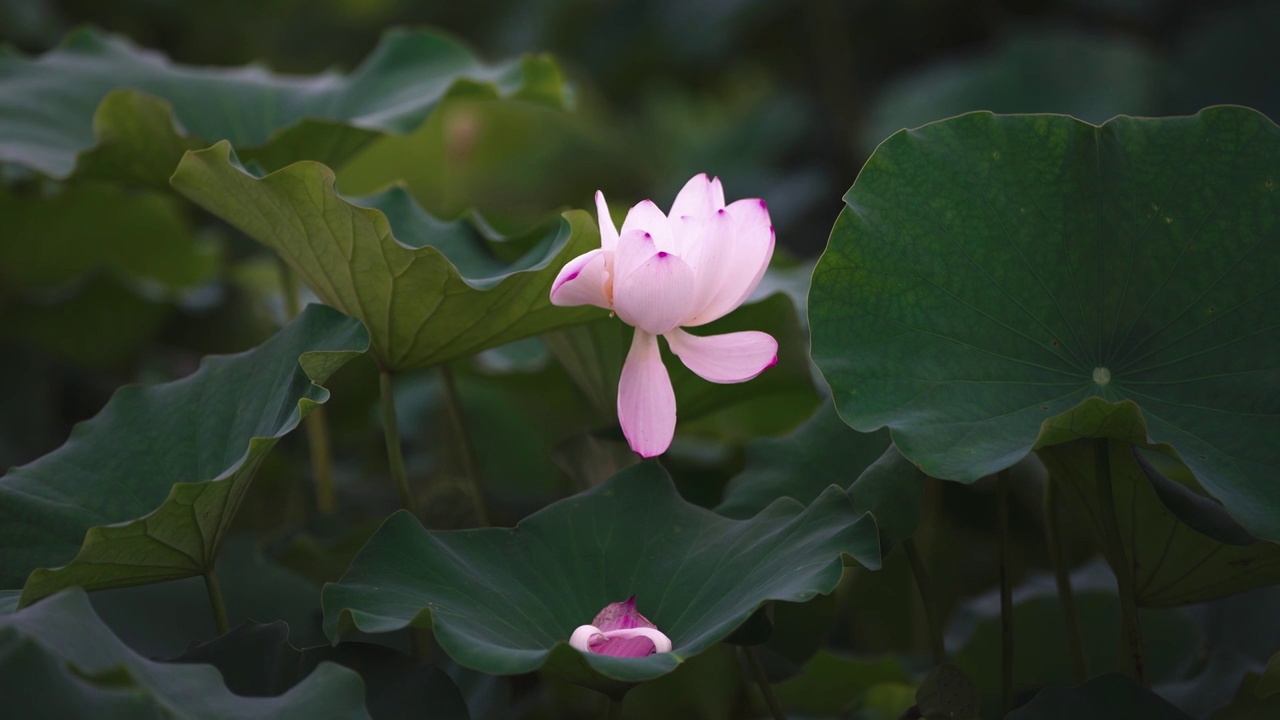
{"x": 1101, "y": 375}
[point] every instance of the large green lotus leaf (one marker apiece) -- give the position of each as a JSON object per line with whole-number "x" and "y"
{"x": 257, "y": 660}
{"x": 1042, "y": 656}
{"x": 1183, "y": 547}
{"x": 1106, "y": 697}
{"x": 86, "y": 274}
{"x": 831, "y": 683}
{"x": 992, "y": 272}
{"x": 776, "y": 401}
{"x": 141, "y": 237}
{"x": 53, "y": 117}
{"x": 825, "y": 451}
{"x": 58, "y": 659}
{"x": 428, "y": 291}
{"x": 1027, "y": 72}
{"x": 147, "y": 490}
{"x": 506, "y": 601}
{"x": 96, "y": 322}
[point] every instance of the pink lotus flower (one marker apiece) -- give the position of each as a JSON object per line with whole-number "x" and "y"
{"x": 620, "y": 630}
{"x": 664, "y": 273}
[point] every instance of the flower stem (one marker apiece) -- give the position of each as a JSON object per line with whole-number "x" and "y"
{"x": 1006, "y": 593}
{"x": 1114, "y": 547}
{"x": 215, "y": 600}
{"x": 1062, "y": 574}
{"x": 613, "y": 711}
{"x": 453, "y": 404}
{"x": 757, "y": 672}
{"x": 395, "y": 458}
{"x": 315, "y": 423}
{"x": 936, "y": 646}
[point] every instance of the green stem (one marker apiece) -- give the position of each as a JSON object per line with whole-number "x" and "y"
{"x": 215, "y": 600}
{"x": 1120, "y": 565}
{"x": 1062, "y": 574}
{"x": 395, "y": 458}
{"x": 1006, "y": 593}
{"x": 613, "y": 711}
{"x": 757, "y": 672}
{"x": 936, "y": 645}
{"x": 469, "y": 466}
{"x": 321, "y": 461}
{"x": 317, "y": 427}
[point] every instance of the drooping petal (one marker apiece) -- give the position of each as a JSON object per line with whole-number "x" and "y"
{"x": 646, "y": 216}
{"x": 582, "y": 281}
{"x": 621, "y": 616}
{"x": 699, "y": 197}
{"x": 657, "y": 295}
{"x": 740, "y": 264}
{"x": 728, "y": 358}
{"x": 583, "y": 636}
{"x": 646, "y": 401}
{"x": 608, "y": 231}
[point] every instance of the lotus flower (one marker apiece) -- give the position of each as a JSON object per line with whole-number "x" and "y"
{"x": 666, "y": 272}
{"x": 621, "y": 631}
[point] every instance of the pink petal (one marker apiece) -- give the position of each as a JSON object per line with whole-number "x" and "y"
{"x": 708, "y": 245}
{"x": 638, "y": 646}
{"x": 621, "y": 616}
{"x": 634, "y": 247}
{"x": 729, "y": 358}
{"x": 646, "y": 217}
{"x": 741, "y": 257}
{"x": 582, "y": 281}
{"x": 657, "y": 295}
{"x": 699, "y": 197}
{"x": 646, "y": 402}
{"x": 608, "y": 231}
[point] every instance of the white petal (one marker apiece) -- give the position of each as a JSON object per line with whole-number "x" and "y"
{"x": 739, "y": 266}
{"x": 608, "y": 231}
{"x": 657, "y": 295}
{"x": 708, "y": 243}
{"x": 646, "y": 401}
{"x": 581, "y": 638}
{"x": 729, "y": 358}
{"x": 698, "y": 198}
{"x": 582, "y": 281}
{"x": 647, "y": 217}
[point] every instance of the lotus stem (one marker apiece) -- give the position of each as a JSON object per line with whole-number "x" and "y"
{"x": 613, "y": 711}
{"x": 216, "y": 601}
{"x": 315, "y": 423}
{"x": 762, "y": 680}
{"x": 1113, "y": 545}
{"x": 395, "y": 457}
{"x": 470, "y": 467}
{"x": 1006, "y": 593}
{"x": 936, "y": 645}
{"x": 1062, "y": 575}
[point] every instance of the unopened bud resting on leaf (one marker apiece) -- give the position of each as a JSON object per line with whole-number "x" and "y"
{"x": 663, "y": 273}
{"x": 621, "y": 631}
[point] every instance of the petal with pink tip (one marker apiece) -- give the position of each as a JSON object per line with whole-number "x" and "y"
{"x": 747, "y": 248}
{"x": 655, "y": 296}
{"x": 708, "y": 243}
{"x": 646, "y": 401}
{"x": 608, "y": 231}
{"x": 699, "y": 197}
{"x": 646, "y": 216}
{"x": 728, "y": 358}
{"x": 582, "y": 281}
{"x": 634, "y": 247}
